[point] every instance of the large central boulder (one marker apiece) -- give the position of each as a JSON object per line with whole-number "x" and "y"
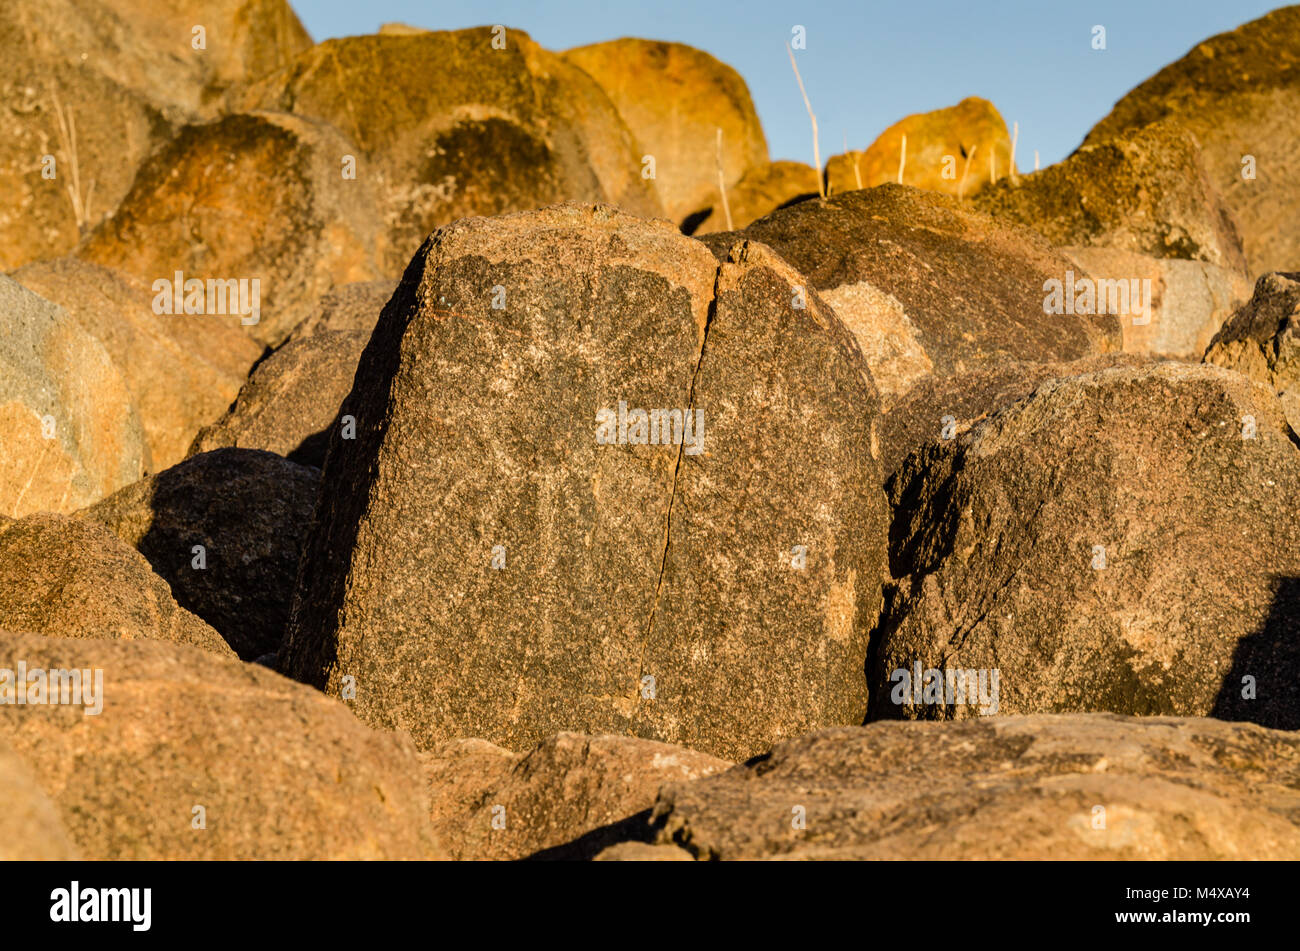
{"x": 502, "y": 552}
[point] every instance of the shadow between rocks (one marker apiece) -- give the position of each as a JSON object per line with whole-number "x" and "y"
{"x": 1271, "y": 656}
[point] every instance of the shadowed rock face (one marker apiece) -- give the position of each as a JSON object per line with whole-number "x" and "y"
{"x": 973, "y": 128}
{"x": 182, "y": 371}
{"x": 763, "y": 190}
{"x": 249, "y": 510}
{"x": 1123, "y": 541}
{"x": 30, "y": 828}
{"x": 674, "y": 99}
{"x": 649, "y": 590}
{"x": 928, "y": 286}
{"x": 69, "y": 433}
{"x": 1147, "y": 192}
{"x": 281, "y": 771}
{"x": 556, "y": 802}
{"x": 61, "y": 577}
{"x": 1238, "y": 93}
{"x": 250, "y": 197}
{"x": 1262, "y": 340}
{"x": 292, "y": 399}
{"x": 1024, "y": 787}
{"x": 500, "y": 130}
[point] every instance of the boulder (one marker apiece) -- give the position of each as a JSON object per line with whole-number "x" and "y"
{"x": 1262, "y": 340}
{"x": 1120, "y": 541}
{"x": 353, "y": 306}
{"x": 938, "y": 145}
{"x": 182, "y": 371}
{"x": 1236, "y": 93}
{"x": 69, "y": 433}
{"x": 564, "y": 800}
{"x": 674, "y": 99}
{"x": 1148, "y": 192}
{"x": 928, "y": 286}
{"x": 290, "y": 403}
{"x": 471, "y": 122}
{"x": 762, "y": 190}
{"x": 938, "y": 408}
{"x": 249, "y": 198}
{"x": 242, "y": 40}
{"x": 61, "y": 577}
{"x": 193, "y": 756}
{"x": 1081, "y": 787}
{"x": 1175, "y": 307}
{"x": 73, "y": 130}
{"x": 30, "y": 827}
{"x": 496, "y": 556}
{"x": 249, "y": 510}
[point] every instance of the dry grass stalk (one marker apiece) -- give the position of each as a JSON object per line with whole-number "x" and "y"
{"x": 961, "y": 186}
{"x": 817, "y": 152}
{"x": 68, "y": 140}
{"x": 722, "y": 184}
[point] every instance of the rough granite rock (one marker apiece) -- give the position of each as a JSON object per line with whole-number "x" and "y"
{"x": 353, "y": 306}
{"x": 643, "y": 852}
{"x": 556, "y": 802}
{"x": 249, "y": 197}
{"x": 1120, "y": 541}
{"x": 714, "y": 593}
{"x": 182, "y": 371}
{"x": 61, "y": 577}
{"x": 69, "y": 433}
{"x": 1189, "y": 300}
{"x": 674, "y": 99}
{"x": 291, "y": 401}
{"x": 938, "y": 144}
{"x": 927, "y": 285}
{"x": 491, "y": 130}
{"x": 73, "y": 131}
{"x": 99, "y": 85}
{"x": 938, "y": 408}
{"x": 1238, "y": 93}
{"x": 1262, "y": 340}
{"x": 243, "y": 40}
{"x": 30, "y": 827}
{"x": 280, "y": 771}
{"x": 249, "y": 510}
{"x": 763, "y": 190}
{"x": 1148, "y": 192}
{"x": 1089, "y": 787}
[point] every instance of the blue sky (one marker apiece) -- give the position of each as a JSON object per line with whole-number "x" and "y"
{"x": 868, "y": 64}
